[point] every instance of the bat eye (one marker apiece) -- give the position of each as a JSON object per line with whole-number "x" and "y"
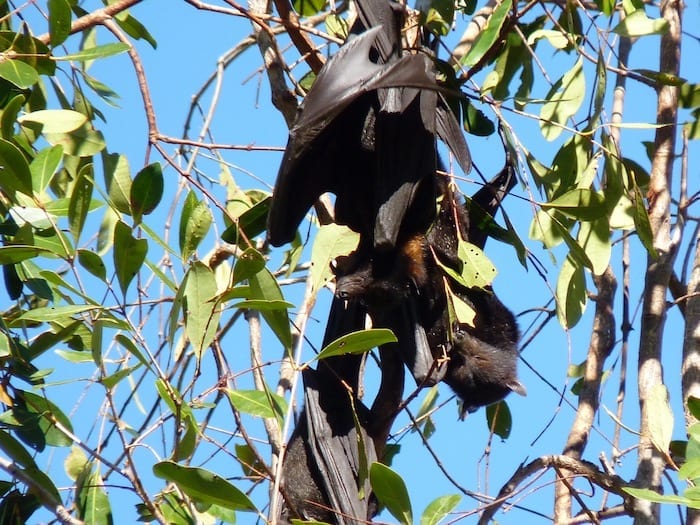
{"x": 342, "y": 294}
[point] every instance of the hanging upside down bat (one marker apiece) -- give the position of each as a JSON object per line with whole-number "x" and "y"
{"x": 477, "y": 361}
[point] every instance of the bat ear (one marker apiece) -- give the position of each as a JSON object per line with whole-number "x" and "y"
{"x": 517, "y": 387}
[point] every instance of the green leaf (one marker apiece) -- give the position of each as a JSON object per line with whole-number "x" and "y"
{"x": 195, "y": 222}
{"x": 594, "y": 239}
{"x": 55, "y": 120}
{"x": 75, "y": 462}
{"x": 358, "y": 342}
{"x": 112, "y": 380}
{"x": 80, "y": 201}
{"x": 18, "y": 73}
{"x": 16, "y": 175}
{"x": 250, "y": 223}
{"x": 58, "y": 313}
{"x": 642, "y": 224}
{"x": 15, "y": 451}
{"x": 92, "y": 53}
{"x": 655, "y": 497}
{"x": 694, "y": 406}
{"x": 201, "y": 310}
{"x": 391, "y": 492}
{"x": 146, "y": 191}
{"x": 331, "y": 241}
{"x": 660, "y": 418}
{"x": 261, "y": 305}
{"x": 134, "y": 28}
{"x": 13, "y": 284}
{"x": 557, "y": 39}
{"x": 258, "y": 403}
{"x": 250, "y": 263}
{"x": 581, "y": 204}
{"x": 477, "y": 269}
{"x": 440, "y": 16}
{"x": 18, "y": 253}
{"x": 563, "y": 101}
{"x": 489, "y": 36}
{"x": 44, "y": 166}
{"x": 8, "y": 116}
{"x": 308, "y": 7}
{"x": 118, "y": 179}
{"x": 336, "y": 26}
{"x": 91, "y": 499}
{"x": 129, "y": 254}
{"x": 474, "y": 120}
{"x": 439, "y": 508}
{"x": 264, "y": 286}
{"x": 571, "y": 293}
{"x": 59, "y": 21}
{"x": 204, "y": 486}
{"x": 92, "y": 263}
{"x": 690, "y": 470}
{"x": 250, "y": 463}
{"x": 639, "y": 24}
{"x": 82, "y": 142}
{"x": 48, "y": 413}
{"x": 499, "y": 419}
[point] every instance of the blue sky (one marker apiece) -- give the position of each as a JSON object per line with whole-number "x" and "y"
{"x": 189, "y": 44}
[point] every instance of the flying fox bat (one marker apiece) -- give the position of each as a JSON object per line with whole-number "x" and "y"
{"x": 321, "y": 478}
{"x": 366, "y": 132}
{"x": 479, "y": 361}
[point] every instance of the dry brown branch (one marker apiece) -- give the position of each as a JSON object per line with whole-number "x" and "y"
{"x": 601, "y": 344}
{"x": 302, "y": 42}
{"x": 44, "y": 496}
{"x": 97, "y": 17}
{"x": 574, "y": 468}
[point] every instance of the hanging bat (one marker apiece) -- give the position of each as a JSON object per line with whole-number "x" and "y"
{"x": 322, "y": 466}
{"x": 366, "y": 132}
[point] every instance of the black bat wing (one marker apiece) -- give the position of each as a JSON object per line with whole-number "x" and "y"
{"x": 325, "y": 146}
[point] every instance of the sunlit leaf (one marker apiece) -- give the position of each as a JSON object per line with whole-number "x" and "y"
{"x": 308, "y": 7}
{"x": 129, "y": 254}
{"x": 489, "y": 35}
{"x": 55, "y": 120}
{"x": 571, "y": 293}
{"x": 439, "y": 508}
{"x": 258, "y": 403}
{"x": 18, "y": 73}
{"x": 102, "y": 51}
{"x": 563, "y": 101}
{"x": 499, "y": 419}
{"x": 204, "y": 486}
{"x": 16, "y": 175}
{"x": 44, "y": 165}
{"x": 660, "y": 418}
{"x": 195, "y": 222}
{"x": 80, "y": 200}
{"x": 82, "y": 142}
{"x": 391, "y": 492}
{"x": 146, "y": 191}
{"x": 59, "y": 21}
{"x": 263, "y": 285}
{"x": 331, "y": 241}
{"x": 639, "y": 24}
{"x": 358, "y": 342}
{"x": 201, "y": 311}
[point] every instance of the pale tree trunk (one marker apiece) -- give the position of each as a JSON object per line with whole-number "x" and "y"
{"x": 651, "y": 462}
{"x": 691, "y": 352}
